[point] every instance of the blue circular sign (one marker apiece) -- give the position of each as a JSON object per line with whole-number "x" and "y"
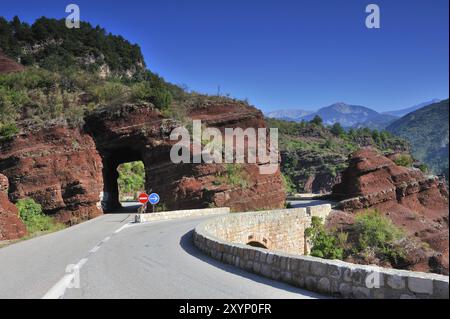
{"x": 153, "y": 199}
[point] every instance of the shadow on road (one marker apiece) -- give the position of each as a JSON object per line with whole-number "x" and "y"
{"x": 127, "y": 208}
{"x": 188, "y": 246}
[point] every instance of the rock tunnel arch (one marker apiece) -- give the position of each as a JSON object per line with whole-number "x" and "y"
{"x": 112, "y": 158}
{"x": 71, "y": 170}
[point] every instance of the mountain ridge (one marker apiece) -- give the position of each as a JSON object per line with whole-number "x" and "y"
{"x": 427, "y": 129}
{"x": 403, "y": 112}
{"x": 348, "y": 115}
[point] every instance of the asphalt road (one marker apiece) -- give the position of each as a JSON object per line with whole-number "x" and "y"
{"x": 117, "y": 259}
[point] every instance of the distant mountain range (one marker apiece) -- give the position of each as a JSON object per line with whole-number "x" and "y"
{"x": 427, "y": 130}
{"x": 403, "y": 112}
{"x": 289, "y": 115}
{"x": 349, "y": 116}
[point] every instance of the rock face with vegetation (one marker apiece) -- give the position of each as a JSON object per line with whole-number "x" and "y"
{"x": 11, "y": 227}
{"x": 7, "y": 65}
{"x": 427, "y": 131}
{"x": 314, "y": 155}
{"x": 413, "y": 201}
{"x": 59, "y": 167}
{"x": 66, "y": 125}
{"x": 70, "y": 171}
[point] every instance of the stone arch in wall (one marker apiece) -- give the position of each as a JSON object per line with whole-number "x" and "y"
{"x": 258, "y": 240}
{"x": 256, "y": 244}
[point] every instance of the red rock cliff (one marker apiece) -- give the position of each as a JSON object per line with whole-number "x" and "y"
{"x": 11, "y": 227}
{"x": 413, "y": 201}
{"x": 59, "y": 168}
{"x": 70, "y": 171}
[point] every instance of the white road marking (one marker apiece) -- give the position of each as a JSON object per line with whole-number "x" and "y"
{"x": 93, "y": 250}
{"x": 81, "y": 263}
{"x": 122, "y": 228}
{"x": 58, "y": 290}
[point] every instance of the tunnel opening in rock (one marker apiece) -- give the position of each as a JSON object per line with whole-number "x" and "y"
{"x": 123, "y": 171}
{"x": 131, "y": 181}
{"x": 256, "y": 244}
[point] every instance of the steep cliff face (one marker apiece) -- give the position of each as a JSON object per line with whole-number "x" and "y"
{"x": 59, "y": 168}
{"x": 11, "y": 227}
{"x": 72, "y": 172}
{"x": 415, "y": 202}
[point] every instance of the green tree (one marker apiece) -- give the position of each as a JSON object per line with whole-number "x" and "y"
{"x": 317, "y": 120}
{"x": 337, "y": 129}
{"x": 131, "y": 178}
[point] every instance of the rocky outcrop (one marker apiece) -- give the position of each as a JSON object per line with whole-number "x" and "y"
{"x": 59, "y": 168}
{"x": 7, "y": 65}
{"x": 72, "y": 172}
{"x": 11, "y": 227}
{"x": 4, "y": 184}
{"x": 413, "y": 201}
{"x": 141, "y": 133}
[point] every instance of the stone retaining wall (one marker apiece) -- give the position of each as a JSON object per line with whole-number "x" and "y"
{"x": 224, "y": 239}
{"x": 147, "y": 217}
{"x": 264, "y": 229}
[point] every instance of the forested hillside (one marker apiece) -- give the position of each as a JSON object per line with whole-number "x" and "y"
{"x": 69, "y": 72}
{"x": 314, "y": 155}
{"x": 48, "y": 43}
{"x": 427, "y": 130}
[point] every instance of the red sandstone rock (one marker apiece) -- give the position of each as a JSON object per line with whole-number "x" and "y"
{"x": 59, "y": 168}
{"x": 141, "y": 133}
{"x": 414, "y": 202}
{"x": 67, "y": 170}
{"x": 7, "y": 65}
{"x": 11, "y": 227}
{"x": 4, "y": 184}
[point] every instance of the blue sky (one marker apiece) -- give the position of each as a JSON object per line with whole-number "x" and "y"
{"x": 281, "y": 54}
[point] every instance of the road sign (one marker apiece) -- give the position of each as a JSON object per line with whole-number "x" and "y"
{"x": 153, "y": 199}
{"x": 143, "y": 198}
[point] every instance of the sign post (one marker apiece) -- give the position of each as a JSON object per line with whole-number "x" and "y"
{"x": 143, "y": 199}
{"x": 153, "y": 199}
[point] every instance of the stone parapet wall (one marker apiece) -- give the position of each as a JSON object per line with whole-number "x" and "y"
{"x": 280, "y": 230}
{"x": 321, "y": 211}
{"x": 223, "y": 239}
{"x": 147, "y": 217}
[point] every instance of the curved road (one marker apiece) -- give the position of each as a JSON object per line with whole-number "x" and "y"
{"x": 122, "y": 260}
